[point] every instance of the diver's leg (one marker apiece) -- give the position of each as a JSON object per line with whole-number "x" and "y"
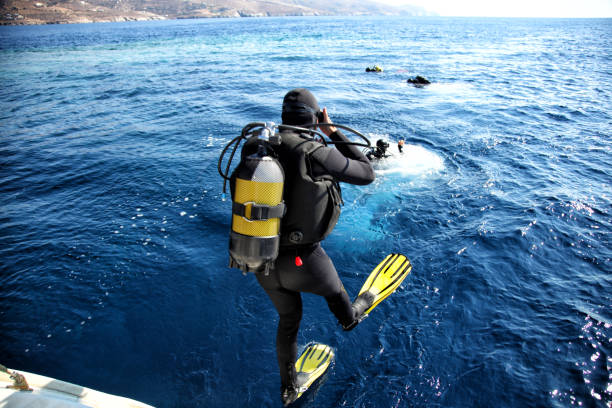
{"x": 317, "y": 275}
{"x": 340, "y": 306}
{"x": 288, "y": 304}
{"x": 286, "y": 338}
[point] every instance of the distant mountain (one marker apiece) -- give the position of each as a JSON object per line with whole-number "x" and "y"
{"x": 87, "y": 11}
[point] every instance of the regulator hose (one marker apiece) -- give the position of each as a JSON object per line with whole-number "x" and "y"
{"x": 305, "y": 128}
{"x": 256, "y": 128}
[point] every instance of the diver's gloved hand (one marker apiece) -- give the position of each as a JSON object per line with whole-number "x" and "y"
{"x": 328, "y": 130}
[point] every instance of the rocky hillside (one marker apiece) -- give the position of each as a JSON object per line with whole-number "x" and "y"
{"x": 86, "y": 11}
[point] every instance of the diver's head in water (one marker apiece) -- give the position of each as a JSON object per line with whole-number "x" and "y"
{"x": 382, "y": 146}
{"x": 300, "y": 107}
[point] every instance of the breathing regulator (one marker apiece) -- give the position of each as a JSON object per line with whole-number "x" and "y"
{"x": 257, "y": 192}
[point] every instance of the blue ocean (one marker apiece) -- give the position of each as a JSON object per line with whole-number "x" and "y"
{"x": 114, "y": 227}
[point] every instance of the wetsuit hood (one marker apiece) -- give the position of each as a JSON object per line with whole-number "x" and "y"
{"x": 300, "y": 107}
{"x": 380, "y": 143}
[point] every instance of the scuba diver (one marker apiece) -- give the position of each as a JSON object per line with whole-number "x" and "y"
{"x": 378, "y": 152}
{"x": 278, "y": 236}
{"x": 312, "y": 198}
{"x": 400, "y": 145}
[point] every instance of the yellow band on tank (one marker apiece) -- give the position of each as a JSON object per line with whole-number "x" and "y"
{"x": 268, "y": 228}
{"x": 261, "y": 193}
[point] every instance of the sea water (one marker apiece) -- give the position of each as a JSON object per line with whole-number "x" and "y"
{"x": 114, "y": 233}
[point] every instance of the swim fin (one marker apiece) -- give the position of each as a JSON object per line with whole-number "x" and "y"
{"x": 311, "y": 365}
{"x": 382, "y": 282}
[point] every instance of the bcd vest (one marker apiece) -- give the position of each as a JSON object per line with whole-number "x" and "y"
{"x": 313, "y": 203}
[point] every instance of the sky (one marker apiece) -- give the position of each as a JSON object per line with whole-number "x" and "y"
{"x": 513, "y": 8}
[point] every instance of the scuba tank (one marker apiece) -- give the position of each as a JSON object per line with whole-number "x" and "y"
{"x": 257, "y": 208}
{"x": 257, "y": 192}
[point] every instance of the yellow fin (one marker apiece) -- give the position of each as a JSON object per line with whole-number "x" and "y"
{"x": 385, "y": 278}
{"x": 313, "y": 362}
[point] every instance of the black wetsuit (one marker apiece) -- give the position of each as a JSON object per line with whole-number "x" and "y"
{"x": 376, "y": 153}
{"x": 317, "y": 273}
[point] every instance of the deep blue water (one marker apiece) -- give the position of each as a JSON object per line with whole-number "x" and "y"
{"x": 113, "y": 233}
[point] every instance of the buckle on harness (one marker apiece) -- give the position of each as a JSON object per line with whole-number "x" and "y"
{"x": 251, "y": 211}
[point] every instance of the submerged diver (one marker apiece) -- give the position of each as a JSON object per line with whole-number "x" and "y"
{"x": 378, "y": 152}
{"x": 312, "y": 197}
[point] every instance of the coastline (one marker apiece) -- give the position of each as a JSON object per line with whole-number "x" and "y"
{"x": 42, "y": 12}
{"x": 60, "y": 15}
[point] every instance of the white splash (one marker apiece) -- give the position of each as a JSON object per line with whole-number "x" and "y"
{"x": 413, "y": 161}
